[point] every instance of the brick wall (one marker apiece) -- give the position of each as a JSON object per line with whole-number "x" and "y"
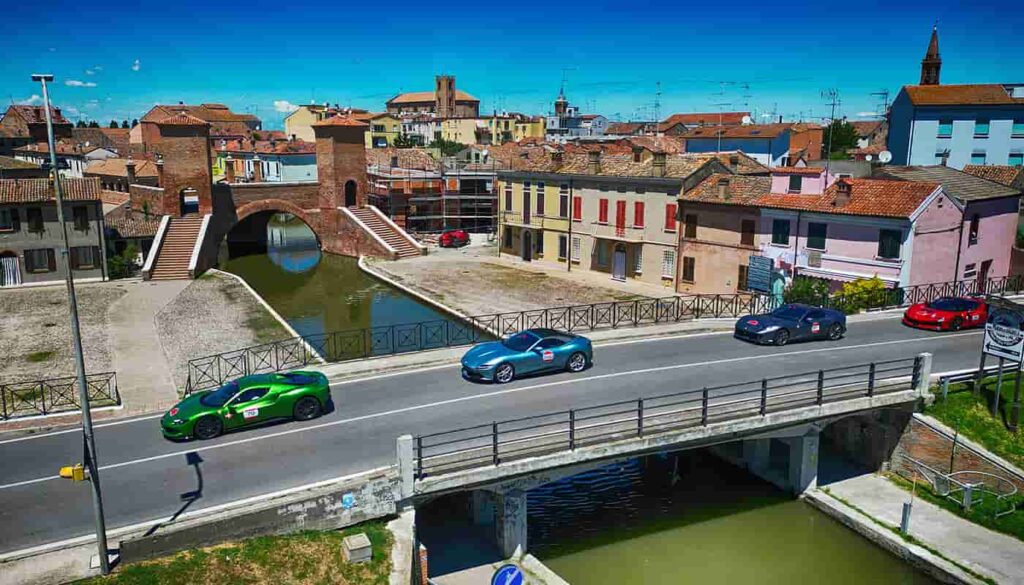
{"x": 933, "y": 447}
{"x": 304, "y": 196}
{"x": 141, "y": 195}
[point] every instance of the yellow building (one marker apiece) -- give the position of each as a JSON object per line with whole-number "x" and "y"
{"x": 535, "y": 127}
{"x": 300, "y": 122}
{"x": 462, "y": 130}
{"x": 384, "y": 129}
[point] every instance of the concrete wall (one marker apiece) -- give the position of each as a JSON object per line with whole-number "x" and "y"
{"x": 717, "y": 249}
{"x": 316, "y": 509}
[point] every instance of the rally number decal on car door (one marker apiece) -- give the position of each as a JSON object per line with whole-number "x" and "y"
{"x": 250, "y": 413}
{"x": 815, "y": 327}
{"x": 547, "y": 355}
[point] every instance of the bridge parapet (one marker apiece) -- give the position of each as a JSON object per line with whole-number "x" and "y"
{"x": 485, "y": 454}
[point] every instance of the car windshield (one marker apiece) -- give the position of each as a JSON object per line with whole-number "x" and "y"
{"x": 789, "y": 312}
{"x": 946, "y": 304}
{"x": 221, "y": 395}
{"x": 520, "y": 341}
{"x": 298, "y": 379}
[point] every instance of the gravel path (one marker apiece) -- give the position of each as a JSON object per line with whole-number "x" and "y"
{"x": 35, "y": 335}
{"x": 214, "y": 314}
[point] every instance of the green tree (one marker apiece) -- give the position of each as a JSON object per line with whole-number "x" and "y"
{"x": 406, "y": 141}
{"x": 80, "y": 124}
{"x": 123, "y": 265}
{"x": 94, "y": 124}
{"x": 810, "y": 291}
{"x": 124, "y": 124}
{"x": 135, "y": 122}
{"x": 839, "y": 137}
{"x": 447, "y": 147}
{"x": 113, "y": 123}
{"x": 866, "y": 293}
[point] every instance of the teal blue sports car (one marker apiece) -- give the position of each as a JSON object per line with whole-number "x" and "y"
{"x": 527, "y": 352}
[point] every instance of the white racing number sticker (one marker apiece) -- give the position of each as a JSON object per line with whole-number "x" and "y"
{"x": 815, "y": 327}
{"x": 547, "y": 355}
{"x": 250, "y": 413}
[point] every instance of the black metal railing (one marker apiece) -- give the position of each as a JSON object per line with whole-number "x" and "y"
{"x": 501, "y": 442}
{"x": 338, "y": 346}
{"x": 904, "y": 296}
{"x": 41, "y": 397}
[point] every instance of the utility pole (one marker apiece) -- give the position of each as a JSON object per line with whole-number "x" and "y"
{"x": 832, "y": 95}
{"x": 76, "y": 339}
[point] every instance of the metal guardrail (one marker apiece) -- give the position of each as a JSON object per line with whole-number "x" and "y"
{"x": 905, "y": 296}
{"x": 970, "y": 376}
{"x": 338, "y": 346}
{"x": 54, "y": 395}
{"x": 959, "y": 487}
{"x": 500, "y": 442}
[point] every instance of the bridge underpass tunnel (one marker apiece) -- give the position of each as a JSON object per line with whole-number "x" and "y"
{"x": 285, "y": 238}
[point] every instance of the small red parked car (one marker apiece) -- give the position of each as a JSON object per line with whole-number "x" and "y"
{"x": 453, "y": 238}
{"x": 947, "y": 314}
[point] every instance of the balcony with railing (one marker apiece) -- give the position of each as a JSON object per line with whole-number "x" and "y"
{"x": 606, "y": 231}
{"x": 518, "y": 218}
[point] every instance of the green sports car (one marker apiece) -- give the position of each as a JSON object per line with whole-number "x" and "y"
{"x": 248, "y": 401}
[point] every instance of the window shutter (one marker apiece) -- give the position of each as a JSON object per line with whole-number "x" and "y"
{"x": 15, "y": 220}
{"x": 670, "y": 217}
{"x": 638, "y": 214}
{"x": 51, "y": 260}
{"x": 577, "y": 208}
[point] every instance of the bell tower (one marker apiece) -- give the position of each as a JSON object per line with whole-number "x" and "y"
{"x": 932, "y": 63}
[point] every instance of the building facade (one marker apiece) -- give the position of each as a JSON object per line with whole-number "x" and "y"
{"x": 31, "y": 236}
{"x": 445, "y": 101}
{"x": 768, "y": 144}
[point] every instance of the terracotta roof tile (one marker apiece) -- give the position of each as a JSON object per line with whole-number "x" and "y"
{"x": 958, "y": 184}
{"x": 37, "y": 115}
{"x": 703, "y": 119}
{"x": 866, "y": 128}
{"x": 749, "y": 131}
{"x": 1002, "y": 174}
{"x": 132, "y": 224}
{"x": 745, "y": 164}
{"x": 34, "y": 190}
{"x": 7, "y": 162}
{"x": 206, "y": 112}
{"x": 428, "y": 96}
{"x": 729, "y": 189}
{"x": 117, "y": 167}
{"x": 182, "y": 119}
{"x": 341, "y": 121}
{"x": 979, "y": 94}
{"x": 871, "y": 197}
{"x": 810, "y": 171}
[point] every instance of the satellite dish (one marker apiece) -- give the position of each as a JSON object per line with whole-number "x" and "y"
{"x": 484, "y": 152}
{"x": 885, "y": 156}
{"x": 868, "y": 157}
{"x": 748, "y": 120}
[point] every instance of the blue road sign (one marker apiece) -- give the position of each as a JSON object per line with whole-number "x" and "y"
{"x": 508, "y": 575}
{"x": 759, "y": 274}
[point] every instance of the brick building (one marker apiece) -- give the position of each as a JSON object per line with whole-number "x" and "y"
{"x": 445, "y": 101}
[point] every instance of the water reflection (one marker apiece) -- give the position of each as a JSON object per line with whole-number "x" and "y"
{"x": 318, "y": 292}
{"x": 693, "y": 518}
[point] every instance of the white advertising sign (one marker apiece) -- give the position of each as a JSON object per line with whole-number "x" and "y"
{"x": 1004, "y": 336}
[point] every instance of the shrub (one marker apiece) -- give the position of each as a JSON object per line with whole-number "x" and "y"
{"x": 811, "y": 291}
{"x": 864, "y": 293}
{"x": 123, "y": 265}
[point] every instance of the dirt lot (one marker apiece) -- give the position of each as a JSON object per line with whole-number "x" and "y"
{"x": 35, "y": 335}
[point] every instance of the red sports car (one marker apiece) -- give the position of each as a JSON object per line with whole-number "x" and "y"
{"x": 947, "y": 314}
{"x": 453, "y": 239}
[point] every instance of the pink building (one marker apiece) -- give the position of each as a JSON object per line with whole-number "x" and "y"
{"x": 899, "y": 231}
{"x": 800, "y": 180}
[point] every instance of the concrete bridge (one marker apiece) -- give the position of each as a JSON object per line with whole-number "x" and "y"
{"x": 755, "y": 425}
{"x": 198, "y": 214}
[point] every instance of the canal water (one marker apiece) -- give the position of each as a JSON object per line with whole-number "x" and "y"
{"x": 693, "y": 518}
{"x": 317, "y": 292}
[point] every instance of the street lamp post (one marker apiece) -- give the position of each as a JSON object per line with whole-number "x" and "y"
{"x": 76, "y": 339}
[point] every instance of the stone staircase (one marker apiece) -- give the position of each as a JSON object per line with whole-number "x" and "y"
{"x": 176, "y": 249}
{"x": 395, "y": 238}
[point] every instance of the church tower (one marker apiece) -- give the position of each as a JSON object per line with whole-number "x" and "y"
{"x": 932, "y": 63}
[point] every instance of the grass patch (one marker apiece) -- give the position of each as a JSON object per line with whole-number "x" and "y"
{"x": 265, "y": 327}
{"x": 982, "y": 512}
{"x": 40, "y": 356}
{"x": 973, "y": 417}
{"x": 908, "y": 538}
{"x": 306, "y": 557}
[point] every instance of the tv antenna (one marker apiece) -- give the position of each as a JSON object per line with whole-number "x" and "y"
{"x": 883, "y": 94}
{"x": 832, "y": 99}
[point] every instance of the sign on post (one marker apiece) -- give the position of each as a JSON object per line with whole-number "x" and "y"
{"x": 1004, "y": 334}
{"x": 759, "y": 274}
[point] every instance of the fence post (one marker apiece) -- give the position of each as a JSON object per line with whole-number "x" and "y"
{"x": 3, "y": 400}
{"x": 640, "y": 417}
{"x": 871, "y": 380}
{"x": 821, "y": 386}
{"x": 572, "y": 429}
{"x": 419, "y": 456}
{"x": 704, "y": 408}
{"x": 764, "y": 396}
{"x": 494, "y": 442}
{"x": 42, "y": 397}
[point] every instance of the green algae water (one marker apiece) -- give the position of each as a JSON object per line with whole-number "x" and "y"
{"x": 317, "y": 292}
{"x": 692, "y": 518}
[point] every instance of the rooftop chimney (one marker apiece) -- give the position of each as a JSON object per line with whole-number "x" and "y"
{"x": 594, "y": 162}
{"x": 129, "y": 168}
{"x": 843, "y": 193}
{"x": 659, "y": 164}
{"x": 734, "y": 161}
{"x": 556, "y": 156}
{"x": 723, "y": 188}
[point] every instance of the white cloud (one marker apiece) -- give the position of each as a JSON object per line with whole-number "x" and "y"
{"x": 284, "y": 106}
{"x": 90, "y": 72}
{"x": 71, "y": 110}
{"x": 98, "y": 68}
{"x": 35, "y": 99}
{"x": 867, "y": 115}
{"x": 77, "y": 83}
{"x": 136, "y": 65}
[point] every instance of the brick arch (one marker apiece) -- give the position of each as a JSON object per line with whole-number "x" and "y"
{"x": 280, "y": 205}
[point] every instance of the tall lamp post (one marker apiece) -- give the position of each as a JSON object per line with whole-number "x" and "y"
{"x": 76, "y": 339}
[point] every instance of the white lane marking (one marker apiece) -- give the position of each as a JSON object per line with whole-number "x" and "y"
{"x": 488, "y": 395}
{"x": 121, "y": 530}
{"x": 79, "y": 429}
{"x": 414, "y": 370}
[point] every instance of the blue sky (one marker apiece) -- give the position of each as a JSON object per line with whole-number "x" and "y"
{"x": 121, "y": 58}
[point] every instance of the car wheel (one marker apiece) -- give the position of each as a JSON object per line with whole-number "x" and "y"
{"x": 577, "y": 362}
{"x": 782, "y": 337}
{"x": 306, "y": 408}
{"x": 504, "y": 373}
{"x": 835, "y": 332}
{"x": 208, "y": 427}
{"x": 957, "y": 324}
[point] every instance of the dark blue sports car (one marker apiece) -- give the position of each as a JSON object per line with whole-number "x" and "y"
{"x": 527, "y": 352}
{"x": 792, "y": 322}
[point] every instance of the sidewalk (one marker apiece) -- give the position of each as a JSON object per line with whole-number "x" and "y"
{"x": 143, "y": 375}
{"x": 988, "y": 553}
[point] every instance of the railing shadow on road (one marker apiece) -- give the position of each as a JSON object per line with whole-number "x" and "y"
{"x": 192, "y": 459}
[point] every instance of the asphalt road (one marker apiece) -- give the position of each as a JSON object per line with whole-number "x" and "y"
{"x": 145, "y": 477}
